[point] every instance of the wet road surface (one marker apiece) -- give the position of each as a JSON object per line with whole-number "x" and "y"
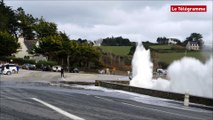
{"x": 43, "y": 101}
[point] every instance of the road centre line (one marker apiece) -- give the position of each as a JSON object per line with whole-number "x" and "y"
{"x": 163, "y": 111}
{"x": 71, "y": 116}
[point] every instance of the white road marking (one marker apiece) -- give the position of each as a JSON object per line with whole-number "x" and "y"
{"x": 71, "y": 116}
{"x": 164, "y": 111}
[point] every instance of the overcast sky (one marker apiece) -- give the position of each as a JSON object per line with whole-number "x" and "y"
{"x": 136, "y": 20}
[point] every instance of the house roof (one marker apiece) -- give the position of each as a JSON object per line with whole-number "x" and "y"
{"x": 30, "y": 44}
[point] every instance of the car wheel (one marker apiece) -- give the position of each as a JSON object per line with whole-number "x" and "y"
{"x": 9, "y": 73}
{"x": 14, "y": 71}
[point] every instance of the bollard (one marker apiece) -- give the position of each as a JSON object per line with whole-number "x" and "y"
{"x": 186, "y": 100}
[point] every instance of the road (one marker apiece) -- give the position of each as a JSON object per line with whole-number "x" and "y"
{"x": 42, "y": 101}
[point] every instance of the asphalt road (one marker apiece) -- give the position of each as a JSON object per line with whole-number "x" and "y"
{"x": 41, "y": 101}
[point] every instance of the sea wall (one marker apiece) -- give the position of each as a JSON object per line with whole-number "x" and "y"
{"x": 123, "y": 85}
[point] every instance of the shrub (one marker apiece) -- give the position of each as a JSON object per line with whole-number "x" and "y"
{"x": 19, "y": 61}
{"x": 163, "y": 65}
{"x": 50, "y": 63}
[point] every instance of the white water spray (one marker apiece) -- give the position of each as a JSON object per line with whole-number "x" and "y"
{"x": 142, "y": 68}
{"x": 187, "y": 75}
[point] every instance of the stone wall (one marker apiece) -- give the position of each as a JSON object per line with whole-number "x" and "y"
{"x": 155, "y": 93}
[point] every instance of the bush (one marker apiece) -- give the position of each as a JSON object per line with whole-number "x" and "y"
{"x": 163, "y": 65}
{"x": 46, "y": 63}
{"x": 19, "y": 61}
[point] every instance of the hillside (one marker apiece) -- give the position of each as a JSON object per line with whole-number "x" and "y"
{"x": 163, "y": 53}
{"x": 117, "y": 50}
{"x": 169, "y": 53}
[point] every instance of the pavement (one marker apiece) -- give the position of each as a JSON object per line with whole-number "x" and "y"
{"x": 31, "y": 101}
{"x": 31, "y": 75}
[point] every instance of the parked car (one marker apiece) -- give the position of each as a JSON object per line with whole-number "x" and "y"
{"x": 29, "y": 66}
{"x": 161, "y": 72}
{"x": 46, "y": 68}
{"x": 8, "y": 69}
{"x": 74, "y": 70}
{"x": 56, "y": 68}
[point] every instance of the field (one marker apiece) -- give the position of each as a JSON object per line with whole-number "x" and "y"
{"x": 168, "y": 56}
{"x": 117, "y": 50}
{"x": 160, "y": 47}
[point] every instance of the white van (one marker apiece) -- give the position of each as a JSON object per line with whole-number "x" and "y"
{"x": 8, "y": 69}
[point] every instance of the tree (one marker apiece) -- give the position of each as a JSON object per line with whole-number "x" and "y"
{"x": 81, "y": 40}
{"x": 45, "y": 29}
{"x": 197, "y": 37}
{"x": 50, "y": 46}
{"x": 8, "y": 20}
{"x": 64, "y": 36}
{"x": 116, "y": 41}
{"x": 26, "y": 23}
{"x": 67, "y": 49}
{"x": 8, "y": 44}
{"x": 162, "y": 40}
{"x": 87, "y": 55}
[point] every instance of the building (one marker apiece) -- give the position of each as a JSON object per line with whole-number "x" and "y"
{"x": 192, "y": 45}
{"x": 98, "y": 42}
{"x": 172, "y": 41}
{"x": 25, "y": 47}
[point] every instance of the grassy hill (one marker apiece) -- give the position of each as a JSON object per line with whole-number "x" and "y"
{"x": 170, "y": 57}
{"x": 117, "y": 50}
{"x": 161, "y": 47}
{"x": 170, "y": 53}
{"x": 164, "y": 53}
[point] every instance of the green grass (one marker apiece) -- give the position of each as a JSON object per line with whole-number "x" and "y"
{"x": 167, "y": 57}
{"x": 160, "y": 47}
{"x": 170, "y": 53}
{"x": 170, "y": 57}
{"x": 117, "y": 50}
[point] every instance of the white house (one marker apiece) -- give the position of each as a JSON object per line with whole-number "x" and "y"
{"x": 23, "y": 50}
{"x": 98, "y": 42}
{"x": 171, "y": 41}
{"x": 25, "y": 47}
{"x": 192, "y": 45}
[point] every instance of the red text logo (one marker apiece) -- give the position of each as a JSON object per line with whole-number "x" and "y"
{"x": 188, "y": 8}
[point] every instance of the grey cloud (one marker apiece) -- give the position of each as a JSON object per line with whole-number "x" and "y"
{"x": 144, "y": 20}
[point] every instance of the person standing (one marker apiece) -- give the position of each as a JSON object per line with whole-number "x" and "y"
{"x": 62, "y": 72}
{"x": 17, "y": 67}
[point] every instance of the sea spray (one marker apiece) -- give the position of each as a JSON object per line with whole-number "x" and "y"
{"x": 187, "y": 75}
{"x": 141, "y": 68}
